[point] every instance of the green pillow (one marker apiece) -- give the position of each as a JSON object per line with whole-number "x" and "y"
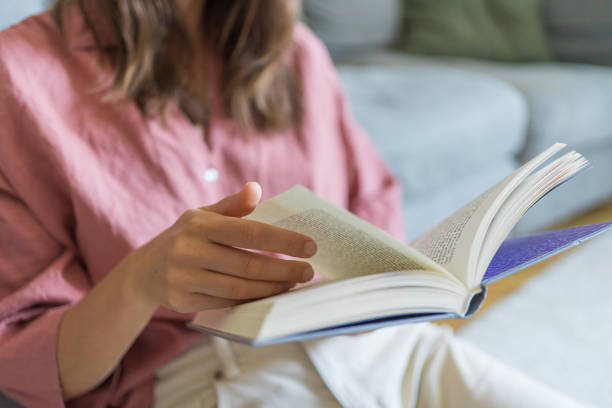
{"x": 506, "y": 30}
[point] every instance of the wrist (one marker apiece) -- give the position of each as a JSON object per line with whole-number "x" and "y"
{"x": 132, "y": 287}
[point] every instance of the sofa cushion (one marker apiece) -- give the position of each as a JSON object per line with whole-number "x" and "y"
{"x": 580, "y": 31}
{"x": 434, "y": 124}
{"x": 570, "y": 103}
{"x": 507, "y": 30}
{"x": 353, "y": 26}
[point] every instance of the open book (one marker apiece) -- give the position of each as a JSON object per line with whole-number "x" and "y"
{"x": 372, "y": 280}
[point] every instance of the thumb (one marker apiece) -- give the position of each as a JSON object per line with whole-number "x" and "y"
{"x": 239, "y": 204}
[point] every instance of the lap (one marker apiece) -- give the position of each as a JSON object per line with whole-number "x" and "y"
{"x": 405, "y": 366}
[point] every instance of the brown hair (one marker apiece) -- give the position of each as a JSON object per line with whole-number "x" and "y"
{"x": 152, "y": 57}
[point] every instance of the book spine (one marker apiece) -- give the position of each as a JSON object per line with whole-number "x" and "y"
{"x": 475, "y": 301}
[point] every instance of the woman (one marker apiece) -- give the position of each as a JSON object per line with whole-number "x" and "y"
{"x": 120, "y": 120}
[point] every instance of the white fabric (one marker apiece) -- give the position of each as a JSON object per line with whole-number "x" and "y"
{"x": 188, "y": 381}
{"x": 266, "y": 376}
{"x": 405, "y": 366}
{"x": 557, "y": 326}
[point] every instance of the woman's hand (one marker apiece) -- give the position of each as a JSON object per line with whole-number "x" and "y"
{"x": 195, "y": 264}
{"x": 198, "y": 263}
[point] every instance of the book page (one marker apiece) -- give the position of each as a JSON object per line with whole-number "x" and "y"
{"x": 534, "y": 188}
{"x": 456, "y": 242}
{"x": 347, "y": 245}
{"x": 450, "y": 242}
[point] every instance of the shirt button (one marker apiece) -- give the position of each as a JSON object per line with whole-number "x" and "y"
{"x": 218, "y": 375}
{"x": 211, "y": 175}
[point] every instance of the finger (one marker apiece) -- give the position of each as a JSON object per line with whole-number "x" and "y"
{"x": 230, "y": 287}
{"x": 196, "y": 302}
{"x": 248, "y": 265}
{"x": 239, "y": 204}
{"x": 251, "y": 234}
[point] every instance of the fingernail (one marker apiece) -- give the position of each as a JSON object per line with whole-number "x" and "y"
{"x": 255, "y": 185}
{"x": 310, "y": 248}
{"x": 308, "y": 274}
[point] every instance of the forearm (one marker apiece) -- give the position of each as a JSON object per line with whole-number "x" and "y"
{"x": 97, "y": 332}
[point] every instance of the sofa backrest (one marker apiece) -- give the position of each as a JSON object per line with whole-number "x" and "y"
{"x": 580, "y": 31}
{"x": 353, "y": 26}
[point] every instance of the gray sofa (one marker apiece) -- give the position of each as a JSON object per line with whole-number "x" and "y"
{"x": 450, "y": 127}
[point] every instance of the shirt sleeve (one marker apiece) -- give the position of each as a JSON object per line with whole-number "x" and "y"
{"x": 39, "y": 280}
{"x": 40, "y": 272}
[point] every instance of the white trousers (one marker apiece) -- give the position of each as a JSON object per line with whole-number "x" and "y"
{"x": 405, "y": 366}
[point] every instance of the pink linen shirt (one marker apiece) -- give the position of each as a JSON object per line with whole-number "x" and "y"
{"x": 84, "y": 182}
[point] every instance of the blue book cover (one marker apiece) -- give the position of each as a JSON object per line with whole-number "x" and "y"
{"x": 516, "y": 254}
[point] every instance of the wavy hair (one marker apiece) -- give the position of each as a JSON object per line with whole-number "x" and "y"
{"x": 153, "y": 65}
